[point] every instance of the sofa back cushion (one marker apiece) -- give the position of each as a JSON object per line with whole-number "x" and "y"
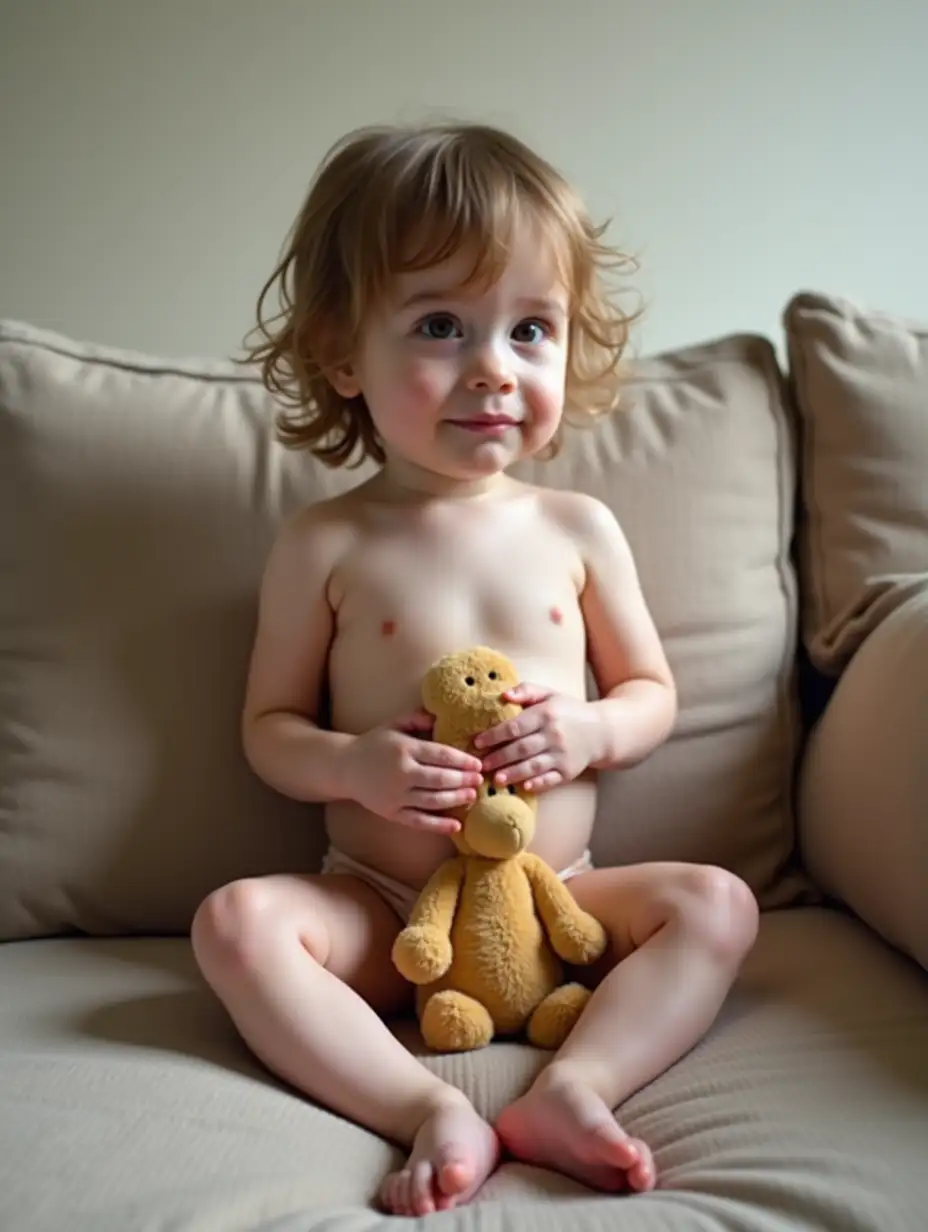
{"x": 138, "y": 500}
{"x": 860, "y": 381}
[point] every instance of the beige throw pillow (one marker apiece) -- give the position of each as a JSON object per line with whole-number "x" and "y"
{"x": 861, "y": 386}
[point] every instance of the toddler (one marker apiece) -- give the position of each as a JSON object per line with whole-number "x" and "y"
{"x": 445, "y": 306}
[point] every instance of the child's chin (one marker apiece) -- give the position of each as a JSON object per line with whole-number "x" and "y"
{"x": 486, "y": 456}
{"x": 486, "y": 468}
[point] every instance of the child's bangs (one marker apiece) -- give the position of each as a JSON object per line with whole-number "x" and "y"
{"x": 474, "y": 214}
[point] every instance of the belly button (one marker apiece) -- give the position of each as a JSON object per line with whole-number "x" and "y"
{"x": 557, "y": 615}
{"x": 388, "y": 628}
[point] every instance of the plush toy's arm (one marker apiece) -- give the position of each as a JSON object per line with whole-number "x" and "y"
{"x": 438, "y": 900}
{"x": 575, "y": 935}
{"x": 422, "y": 951}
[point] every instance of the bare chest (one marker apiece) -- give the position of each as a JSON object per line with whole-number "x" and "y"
{"x": 402, "y": 600}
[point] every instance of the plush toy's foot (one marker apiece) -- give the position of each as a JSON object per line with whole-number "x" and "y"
{"x": 453, "y": 1022}
{"x": 554, "y": 1019}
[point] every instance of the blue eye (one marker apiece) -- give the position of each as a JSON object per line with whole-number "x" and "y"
{"x": 440, "y": 327}
{"x": 532, "y": 332}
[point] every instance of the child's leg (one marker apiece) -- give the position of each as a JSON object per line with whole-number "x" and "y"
{"x": 678, "y": 935}
{"x": 302, "y": 964}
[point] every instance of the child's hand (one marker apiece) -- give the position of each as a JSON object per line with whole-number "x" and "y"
{"x": 552, "y": 741}
{"x": 403, "y": 778}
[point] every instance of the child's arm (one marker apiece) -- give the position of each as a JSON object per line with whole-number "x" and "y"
{"x": 282, "y": 740}
{"x": 638, "y": 701}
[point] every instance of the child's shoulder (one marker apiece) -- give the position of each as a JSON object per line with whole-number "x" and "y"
{"x": 579, "y": 514}
{"x": 331, "y": 515}
{"x": 317, "y": 534}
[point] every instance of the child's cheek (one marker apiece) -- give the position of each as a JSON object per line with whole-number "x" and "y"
{"x": 425, "y": 383}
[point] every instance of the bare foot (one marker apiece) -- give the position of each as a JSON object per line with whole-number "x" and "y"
{"x": 562, "y": 1124}
{"x": 454, "y": 1152}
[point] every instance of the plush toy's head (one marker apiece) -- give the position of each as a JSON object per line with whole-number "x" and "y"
{"x": 468, "y": 686}
{"x": 499, "y": 824}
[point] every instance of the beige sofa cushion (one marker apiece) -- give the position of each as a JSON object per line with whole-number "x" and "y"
{"x": 127, "y": 1102}
{"x": 861, "y": 385}
{"x": 139, "y": 498}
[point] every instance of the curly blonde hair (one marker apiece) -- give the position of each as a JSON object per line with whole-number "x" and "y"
{"x": 393, "y": 199}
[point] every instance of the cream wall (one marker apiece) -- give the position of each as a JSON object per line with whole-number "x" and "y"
{"x": 153, "y": 155}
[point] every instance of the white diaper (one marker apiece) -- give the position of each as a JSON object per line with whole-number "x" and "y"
{"x": 402, "y": 898}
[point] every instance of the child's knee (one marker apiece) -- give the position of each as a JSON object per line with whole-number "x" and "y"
{"x": 237, "y": 924}
{"x": 717, "y": 910}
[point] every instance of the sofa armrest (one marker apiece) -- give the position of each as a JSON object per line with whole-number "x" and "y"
{"x": 863, "y": 791}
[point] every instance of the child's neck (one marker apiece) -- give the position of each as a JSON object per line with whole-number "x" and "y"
{"x": 403, "y": 481}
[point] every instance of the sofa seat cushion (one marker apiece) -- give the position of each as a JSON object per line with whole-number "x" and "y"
{"x": 128, "y": 1102}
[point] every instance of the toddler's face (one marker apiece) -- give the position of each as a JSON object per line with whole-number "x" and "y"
{"x": 464, "y": 382}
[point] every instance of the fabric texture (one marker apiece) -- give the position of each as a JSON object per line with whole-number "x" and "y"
{"x": 860, "y": 381}
{"x": 864, "y": 786}
{"x": 127, "y": 1103}
{"x": 138, "y": 500}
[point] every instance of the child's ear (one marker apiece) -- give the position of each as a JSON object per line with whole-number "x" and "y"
{"x": 344, "y": 381}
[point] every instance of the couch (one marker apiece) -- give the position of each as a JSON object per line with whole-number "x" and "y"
{"x": 776, "y": 495}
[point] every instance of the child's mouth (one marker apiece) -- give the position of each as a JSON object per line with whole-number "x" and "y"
{"x": 485, "y": 427}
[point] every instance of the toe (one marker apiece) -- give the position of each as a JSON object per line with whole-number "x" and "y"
{"x": 404, "y": 1193}
{"x": 642, "y": 1174}
{"x": 421, "y": 1189}
{"x": 454, "y": 1175}
{"x": 605, "y": 1177}
{"x": 388, "y": 1192}
{"x": 608, "y": 1143}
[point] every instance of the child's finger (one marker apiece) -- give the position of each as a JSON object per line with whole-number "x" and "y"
{"x": 417, "y": 819}
{"x": 439, "y": 800}
{"x": 519, "y": 750}
{"x": 443, "y": 778}
{"x": 530, "y": 769}
{"x": 518, "y": 772}
{"x": 527, "y": 694}
{"x": 432, "y": 754}
{"x": 513, "y": 729}
{"x": 542, "y": 782}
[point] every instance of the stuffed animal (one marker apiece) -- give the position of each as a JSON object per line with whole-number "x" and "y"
{"x": 490, "y": 932}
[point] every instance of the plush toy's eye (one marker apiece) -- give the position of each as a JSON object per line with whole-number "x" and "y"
{"x": 491, "y": 791}
{"x": 511, "y": 790}
{"x": 492, "y": 675}
{"x": 468, "y": 680}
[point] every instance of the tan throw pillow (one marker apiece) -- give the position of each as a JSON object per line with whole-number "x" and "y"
{"x": 861, "y": 385}
{"x": 138, "y": 499}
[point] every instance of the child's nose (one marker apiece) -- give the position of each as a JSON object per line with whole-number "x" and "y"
{"x": 490, "y": 376}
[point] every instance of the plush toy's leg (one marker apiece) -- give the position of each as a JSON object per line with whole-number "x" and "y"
{"x": 554, "y": 1019}
{"x": 453, "y": 1022}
